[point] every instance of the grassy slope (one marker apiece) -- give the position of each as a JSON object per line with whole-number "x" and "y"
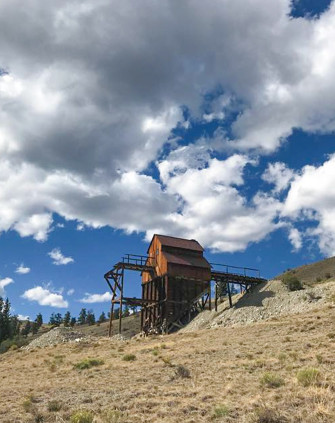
{"x": 311, "y": 272}
{"x": 226, "y": 368}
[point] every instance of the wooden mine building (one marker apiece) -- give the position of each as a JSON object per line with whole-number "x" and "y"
{"x": 176, "y": 282}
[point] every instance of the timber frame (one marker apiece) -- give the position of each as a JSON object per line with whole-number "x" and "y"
{"x": 169, "y": 302}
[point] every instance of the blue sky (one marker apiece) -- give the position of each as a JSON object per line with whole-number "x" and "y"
{"x": 214, "y": 123}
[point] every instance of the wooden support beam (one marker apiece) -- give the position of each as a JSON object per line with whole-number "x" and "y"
{"x": 229, "y": 295}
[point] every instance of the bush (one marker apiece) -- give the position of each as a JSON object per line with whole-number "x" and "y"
{"x": 112, "y": 416}
{"x": 82, "y": 416}
{"x": 12, "y": 344}
{"x": 54, "y": 405}
{"x": 267, "y": 415}
{"x": 183, "y": 372}
{"x": 307, "y": 377}
{"x": 129, "y": 357}
{"x": 220, "y": 411}
{"x": 292, "y": 282}
{"x": 88, "y": 363}
{"x": 271, "y": 380}
{"x": 328, "y": 275}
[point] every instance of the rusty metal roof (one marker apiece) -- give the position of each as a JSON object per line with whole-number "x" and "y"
{"x": 171, "y": 241}
{"x": 187, "y": 260}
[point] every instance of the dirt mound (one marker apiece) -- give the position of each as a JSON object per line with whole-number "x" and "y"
{"x": 268, "y": 300}
{"x": 56, "y": 336}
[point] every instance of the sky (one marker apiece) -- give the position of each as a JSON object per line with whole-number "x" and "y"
{"x": 119, "y": 119}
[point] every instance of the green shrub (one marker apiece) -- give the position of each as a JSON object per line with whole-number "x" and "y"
{"x": 271, "y": 380}
{"x": 82, "y": 416}
{"x": 328, "y": 275}
{"x": 112, "y": 416}
{"x": 129, "y": 357}
{"x": 12, "y": 344}
{"x": 54, "y": 405}
{"x": 182, "y": 371}
{"x": 292, "y": 282}
{"x": 88, "y": 363}
{"x": 27, "y": 405}
{"x": 220, "y": 411}
{"x": 309, "y": 376}
{"x": 267, "y": 415}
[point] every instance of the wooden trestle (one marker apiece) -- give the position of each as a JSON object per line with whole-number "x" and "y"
{"x": 168, "y": 302}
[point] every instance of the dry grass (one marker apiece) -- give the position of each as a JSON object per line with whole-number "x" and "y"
{"x": 244, "y": 374}
{"x": 314, "y": 273}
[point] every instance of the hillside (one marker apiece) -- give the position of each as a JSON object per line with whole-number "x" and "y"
{"x": 317, "y": 272}
{"x": 269, "y": 359}
{"x": 256, "y": 373}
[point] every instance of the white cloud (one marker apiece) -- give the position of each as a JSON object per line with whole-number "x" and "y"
{"x": 279, "y": 175}
{"x": 211, "y": 208}
{"x": 3, "y": 283}
{"x": 312, "y": 198}
{"x": 70, "y": 291}
{"x": 77, "y": 133}
{"x": 22, "y": 317}
{"x": 58, "y": 258}
{"x": 22, "y": 270}
{"x": 45, "y": 297}
{"x": 96, "y": 298}
{"x": 295, "y": 238}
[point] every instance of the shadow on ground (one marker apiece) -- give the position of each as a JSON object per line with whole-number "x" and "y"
{"x": 256, "y": 297}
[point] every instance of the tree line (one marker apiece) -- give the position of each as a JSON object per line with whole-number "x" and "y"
{"x": 13, "y": 331}
{"x": 87, "y": 317}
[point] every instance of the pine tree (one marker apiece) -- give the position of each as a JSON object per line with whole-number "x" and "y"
{"x": 15, "y": 326}
{"x": 67, "y": 319}
{"x": 126, "y": 312}
{"x": 26, "y": 329}
{"x": 82, "y": 316}
{"x": 102, "y": 317}
{"x": 1, "y": 321}
{"x": 6, "y": 319}
{"x": 55, "y": 319}
{"x": 34, "y": 328}
{"x": 58, "y": 319}
{"x": 39, "y": 320}
{"x": 116, "y": 313}
{"x": 73, "y": 321}
{"x": 90, "y": 319}
{"x": 52, "y": 319}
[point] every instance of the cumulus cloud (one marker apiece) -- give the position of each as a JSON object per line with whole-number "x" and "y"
{"x": 278, "y": 175}
{"x": 3, "y": 283}
{"x": 96, "y": 298}
{"x": 22, "y": 269}
{"x": 93, "y": 92}
{"x": 45, "y": 297}
{"x": 23, "y": 317}
{"x": 295, "y": 238}
{"x": 70, "y": 291}
{"x": 312, "y": 198}
{"x": 58, "y": 258}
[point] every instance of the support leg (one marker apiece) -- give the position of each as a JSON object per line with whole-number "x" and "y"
{"x": 229, "y": 295}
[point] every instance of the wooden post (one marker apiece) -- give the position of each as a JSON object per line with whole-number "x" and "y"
{"x": 111, "y": 320}
{"x": 229, "y": 295}
{"x": 121, "y": 297}
{"x": 142, "y": 311}
{"x": 210, "y": 296}
{"x": 216, "y": 296}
